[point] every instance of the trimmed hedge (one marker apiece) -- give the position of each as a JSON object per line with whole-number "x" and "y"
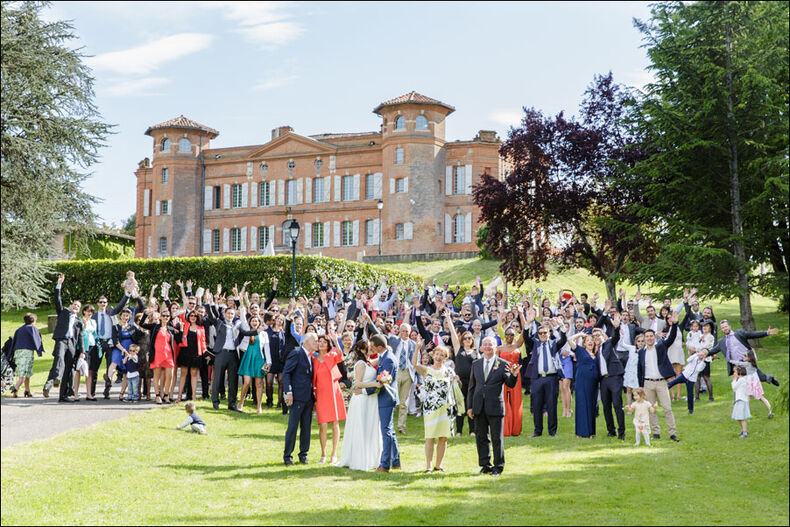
{"x": 87, "y": 280}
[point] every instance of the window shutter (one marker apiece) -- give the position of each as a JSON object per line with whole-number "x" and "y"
{"x": 327, "y": 189}
{"x": 355, "y": 233}
{"x": 338, "y": 189}
{"x": 281, "y": 192}
{"x": 356, "y": 187}
{"x": 392, "y": 185}
{"x": 448, "y": 229}
{"x": 308, "y": 235}
{"x": 244, "y": 202}
{"x": 253, "y": 238}
{"x": 208, "y": 195}
{"x": 225, "y": 196}
{"x": 147, "y": 202}
{"x": 253, "y": 194}
{"x": 271, "y": 235}
{"x": 157, "y": 207}
{"x": 169, "y": 207}
{"x": 244, "y": 239}
{"x": 226, "y": 240}
{"x": 336, "y": 232}
{"x": 206, "y": 241}
{"x": 406, "y": 184}
{"x": 468, "y": 227}
{"x": 468, "y": 175}
{"x": 377, "y": 236}
{"x": 327, "y": 232}
{"x": 408, "y": 230}
{"x": 299, "y": 191}
{"x": 448, "y": 182}
{"x": 308, "y": 190}
{"x": 377, "y": 177}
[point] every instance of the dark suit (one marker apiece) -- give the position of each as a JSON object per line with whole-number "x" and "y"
{"x": 487, "y": 402}
{"x": 298, "y": 381}
{"x": 611, "y": 384}
{"x": 66, "y": 348}
{"x": 225, "y": 360}
{"x": 544, "y": 389}
{"x": 107, "y": 344}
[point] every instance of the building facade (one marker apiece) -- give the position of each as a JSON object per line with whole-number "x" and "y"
{"x": 194, "y": 200}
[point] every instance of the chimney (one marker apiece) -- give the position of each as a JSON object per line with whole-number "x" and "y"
{"x": 486, "y": 136}
{"x": 280, "y": 131}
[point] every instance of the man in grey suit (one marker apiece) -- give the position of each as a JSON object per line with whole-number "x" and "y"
{"x": 652, "y": 321}
{"x": 735, "y": 345}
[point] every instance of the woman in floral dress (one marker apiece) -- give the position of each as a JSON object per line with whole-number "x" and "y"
{"x": 438, "y": 387}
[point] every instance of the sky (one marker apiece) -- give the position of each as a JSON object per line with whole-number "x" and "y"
{"x": 244, "y": 68}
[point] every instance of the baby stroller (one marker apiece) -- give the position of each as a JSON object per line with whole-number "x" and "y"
{"x": 7, "y": 367}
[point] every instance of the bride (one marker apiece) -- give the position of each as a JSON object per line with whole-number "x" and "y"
{"x": 361, "y": 448}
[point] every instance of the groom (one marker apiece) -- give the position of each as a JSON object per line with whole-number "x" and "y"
{"x": 298, "y": 388}
{"x": 388, "y": 400}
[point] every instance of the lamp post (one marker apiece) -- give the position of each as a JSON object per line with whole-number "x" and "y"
{"x": 380, "y": 205}
{"x": 293, "y": 229}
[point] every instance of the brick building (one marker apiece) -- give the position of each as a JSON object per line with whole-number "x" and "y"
{"x": 196, "y": 200}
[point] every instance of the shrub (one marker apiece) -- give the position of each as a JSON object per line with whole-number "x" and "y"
{"x": 783, "y": 404}
{"x": 88, "y": 279}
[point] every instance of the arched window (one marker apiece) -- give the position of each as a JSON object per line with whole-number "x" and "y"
{"x": 458, "y": 229}
{"x": 399, "y": 155}
{"x": 165, "y": 145}
{"x": 400, "y": 123}
{"x": 184, "y": 145}
{"x": 422, "y": 122}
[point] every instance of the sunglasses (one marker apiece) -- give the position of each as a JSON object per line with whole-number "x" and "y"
{"x": 511, "y": 334}
{"x": 165, "y": 315}
{"x": 468, "y": 338}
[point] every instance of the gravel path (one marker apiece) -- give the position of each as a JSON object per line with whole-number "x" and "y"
{"x": 23, "y": 420}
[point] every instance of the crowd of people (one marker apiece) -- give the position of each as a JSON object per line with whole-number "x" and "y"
{"x": 360, "y": 353}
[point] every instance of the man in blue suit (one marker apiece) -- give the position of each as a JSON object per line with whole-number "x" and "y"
{"x": 388, "y": 400}
{"x": 544, "y": 371}
{"x": 298, "y": 388}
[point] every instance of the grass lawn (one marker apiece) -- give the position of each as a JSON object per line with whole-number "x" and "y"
{"x": 141, "y": 470}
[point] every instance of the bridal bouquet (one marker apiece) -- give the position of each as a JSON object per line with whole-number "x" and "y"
{"x": 385, "y": 378}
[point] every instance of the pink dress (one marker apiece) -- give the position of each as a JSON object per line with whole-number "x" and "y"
{"x": 329, "y": 404}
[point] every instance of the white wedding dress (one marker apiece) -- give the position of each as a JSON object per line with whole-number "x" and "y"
{"x": 361, "y": 449}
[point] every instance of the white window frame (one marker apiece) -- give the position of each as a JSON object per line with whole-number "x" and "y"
{"x": 400, "y": 155}
{"x": 235, "y": 240}
{"x": 370, "y": 186}
{"x": 400, "y": 185}
{"x": 347, "y": 185}
{"x": 318, "y": 235}
{"x": 163, "y": 247}
{"x": 399, "y": 232}
{"x": 347, "y": 233}
{"x": 165, "y": 206}
{"x": 216, "y": 241}
{"x": 264, "y": 194}
{"x": 459, "y": 180}
{"x": 291, "y": 192}
{"x": 370, "y": 232}
{"x": 400, "y": 123}
{"x": 235, "y": 196}
{"x": 263, "y": 238}
{"x": 417, "y": 123}
{"x": 318, "y": 189}
{"x": 459, "y": 229}
{"x": 166, "y": 145}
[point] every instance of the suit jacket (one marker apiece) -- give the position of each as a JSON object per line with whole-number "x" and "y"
{"x": 645, "y": 322}
{"x": 113, "y": 311}
{"x": 387, "y": 398}
{"x": 743, "y": 337}
{"x": 64, "y": 318}
{"x": 533, "y": 343}
{"x": 487, "y": 394}
{"x": 298, "y": 376}
{"x": 608, "y": 353}
{"x": 411, "y": 346}
{"x": 664, "y": 365}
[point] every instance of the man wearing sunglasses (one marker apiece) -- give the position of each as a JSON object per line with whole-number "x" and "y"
{"x": 544, "y": 371}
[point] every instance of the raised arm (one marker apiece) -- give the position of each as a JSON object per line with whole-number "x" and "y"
{"x": 453, "y": 334}
{"x": 58, "y": 300}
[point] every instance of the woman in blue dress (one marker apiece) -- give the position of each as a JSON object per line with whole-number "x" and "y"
{"x": 586, "y": 386}
{"x": 122, "y": 337}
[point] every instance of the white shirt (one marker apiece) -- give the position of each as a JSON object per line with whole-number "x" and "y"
{"x": 549, "y": 358}
{"x": 603, "y": 366}
{"x": 230, "y": 343}
{"x": 72, "y": 321}
{"x": 651, "y": 364}
{"x": 654, "y": 324}
{"x": 625, "y": 338}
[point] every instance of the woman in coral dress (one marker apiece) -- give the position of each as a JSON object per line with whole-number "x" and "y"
{"x": 329, "y": 404}
{"x": 514, "y": 404}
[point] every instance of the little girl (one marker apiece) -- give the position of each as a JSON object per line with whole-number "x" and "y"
{"x": 755, "y": 387}
{"x": 642, "y": 409}
{"x": 740, "y": 409}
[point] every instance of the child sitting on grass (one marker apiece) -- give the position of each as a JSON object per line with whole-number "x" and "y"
{"x": 195, "y": 423}
{"x": 740, "y": 408}
{"x": 642, "y": 409}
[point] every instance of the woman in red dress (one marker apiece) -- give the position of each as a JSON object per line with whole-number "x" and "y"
{"x": 328, "y": 397}
{"x": 160, "y": 352}
{"x": 511, "y": 352}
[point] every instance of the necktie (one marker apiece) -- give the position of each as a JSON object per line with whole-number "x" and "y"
{"x": 402, "y": 354}
{"x": 485, "y": 371}
{"x": 101, "y": 324}
{"x": 435, "y": 339}
{"x": 545, "y": 358}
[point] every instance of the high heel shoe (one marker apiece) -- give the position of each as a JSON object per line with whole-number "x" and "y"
{"x": 28, "y": 394}
{"x": 14, "y": 392}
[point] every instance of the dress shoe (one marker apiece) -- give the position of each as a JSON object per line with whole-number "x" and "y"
{"x": 382, "y": 469}
{"x": 610, "y": 434}
{"x": 216, "y": 407}
{"x": 289, "y": 463}
{"x": 67, "y": 400}
{"x": 486, "y": 470}
{"x": 235, "y": 409}
{"x": 535, "y": 435}
{"x": 656, "y": 436}
{"x": 495, "y": 473}
{"x": 393, "y": 467}
{"x": 552, "y": 435}
{"x": 621, "y": 437}
{"x": 303, "y": 461}
{"x": 773, "y": 381}
{"x": 402, "y": 431}
{"x": 674, "y": 438}
{"x": 47, "y": 388}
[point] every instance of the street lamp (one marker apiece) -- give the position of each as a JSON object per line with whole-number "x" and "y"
{"x": 380, "y": 206}
{"x": 293, "y": 229}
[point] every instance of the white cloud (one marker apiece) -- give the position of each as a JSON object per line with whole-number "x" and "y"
{"x": 147, "y": 58}
{"x": 262, "y": 23}
{"x": 138, "y": 87}
{"x": 275, "y": 82}
{"x": 508, "y": 117}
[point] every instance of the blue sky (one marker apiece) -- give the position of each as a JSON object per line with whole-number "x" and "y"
{"x": 244, "y": 68}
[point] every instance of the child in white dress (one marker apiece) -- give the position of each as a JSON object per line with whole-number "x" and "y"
{"x": 642, "y": 409}
{"x": 740, "y": 408}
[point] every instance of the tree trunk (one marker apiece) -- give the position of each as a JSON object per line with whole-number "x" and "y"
{"x": 744, "y": 297}
{"x": 611, "y": 290}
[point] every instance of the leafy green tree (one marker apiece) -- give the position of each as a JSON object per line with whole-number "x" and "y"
{"x": 51, "y": 133}
{"x": 129, "y": 225}
{"x": 717, "y": 188}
